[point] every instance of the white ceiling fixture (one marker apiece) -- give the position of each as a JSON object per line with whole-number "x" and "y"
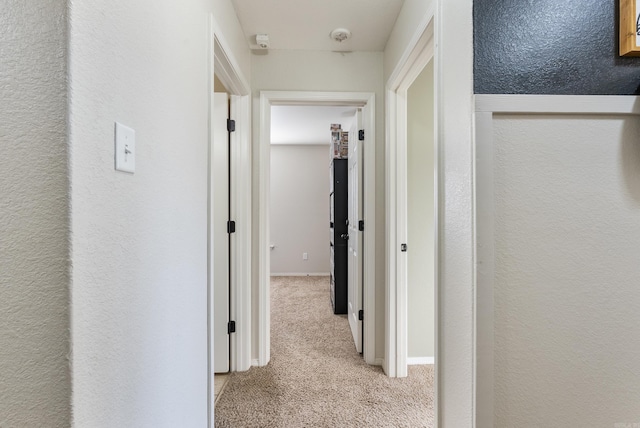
{"x": 304, "y": 25}
{"x": 340, "y": 34}
{"x": 262, "y": 40}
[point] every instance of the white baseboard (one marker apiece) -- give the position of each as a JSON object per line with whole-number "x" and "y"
{"x": 300, "y": 274}
{"x": 254, "y": 363}
{"x": 378, "y": 362}
{"x": 418, "y": 361}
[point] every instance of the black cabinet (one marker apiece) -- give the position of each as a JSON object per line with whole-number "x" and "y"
{"x": 339, "y": 214}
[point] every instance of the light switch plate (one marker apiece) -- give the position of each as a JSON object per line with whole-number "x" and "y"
{"x": 125, "y": 147}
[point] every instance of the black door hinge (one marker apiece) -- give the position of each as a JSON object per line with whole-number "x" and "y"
{"x": 231, "y": 125}
{"x": 231, "y": 226}
{"x": 361, "y": 225}
{"x": 361, "y": 135}
{"x": 231, "y": 327}
{"x": 361, "y": 315}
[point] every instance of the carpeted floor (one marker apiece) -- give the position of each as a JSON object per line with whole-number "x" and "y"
{"x": 315, "y": 377}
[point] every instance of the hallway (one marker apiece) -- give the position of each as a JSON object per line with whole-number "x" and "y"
{"x": 316, "y": 377}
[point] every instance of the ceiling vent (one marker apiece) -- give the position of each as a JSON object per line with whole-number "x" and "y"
{"x": 340, "y": 34}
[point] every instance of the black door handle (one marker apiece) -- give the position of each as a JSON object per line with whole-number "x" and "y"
{"x": 345, "y": 236}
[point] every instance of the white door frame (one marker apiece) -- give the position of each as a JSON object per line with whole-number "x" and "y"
{"x": 354, "y": 253}
{"x": 416, "y": 58}
{"x": 219, "y": 180}
{"x": 223, "y": 64}
{"x": 268, "y": 99}
{"x": 456, "y": 264}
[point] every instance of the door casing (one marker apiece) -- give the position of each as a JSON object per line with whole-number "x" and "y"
{"x": 355, "y": 241}
{"x": 220, "y": 249}
{"x": 396, "y": 203}
{"x": 223, "y": 64}
{"x": 356, "y": 99}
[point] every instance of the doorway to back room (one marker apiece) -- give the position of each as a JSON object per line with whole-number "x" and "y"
{"x": 312, "y": 188}
{"x": 365, "y": 102}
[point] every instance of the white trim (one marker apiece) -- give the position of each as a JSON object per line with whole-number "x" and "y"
{"x": 275, "y": 143}
{"x": 210, "y": 330}
{"x": 402, "y": 263}
{"x": 378, "y": 362}
{"x": 241, "y": 240}
{"x": 558, "y": 104}
{"x": 405, "y": 66}
{"x": 369, "y": 234}
{"x": 439, "y": 241}
{"x": 415, "y": 58}
{"x": 223, "y": 64}
{"x": 420, "y": 361}
{"x": 300, "y": 274}
{"x": 226, "y": 66}
{"x": 485, "y": 268}
{"x": 264, "y": 253}
{"x": 390, "y": 345}
{"x": 312, "y": 98}
{"x": 267, "y": 99}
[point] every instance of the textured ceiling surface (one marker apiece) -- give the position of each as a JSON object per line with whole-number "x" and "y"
{"x": 306, "y": 25}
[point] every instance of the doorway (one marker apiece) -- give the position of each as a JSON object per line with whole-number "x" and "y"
{"x": 299, "y": 187}
{"x": 420, "y": 219}
{"x": 224, "y": 69}
{"x": 366, "y": 101}
{"x": 311, "y": 191}
{"x": 398, "y": 246}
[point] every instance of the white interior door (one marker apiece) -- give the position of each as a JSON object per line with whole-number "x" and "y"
{"x": 354, "y": 266}
{"x": 220, "y": 213}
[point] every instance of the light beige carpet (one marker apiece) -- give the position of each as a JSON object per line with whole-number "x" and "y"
{"x": 315, "y": 377}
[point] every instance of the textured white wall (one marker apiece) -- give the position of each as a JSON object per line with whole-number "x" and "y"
{"x": 326, "y": 71}
{"x": 420, "y": 216}
{"x": 139, "y": 248}
{"x": 300, "y": 208}
{"x": 567, "y": 219}
{"x": 35, "y": 385}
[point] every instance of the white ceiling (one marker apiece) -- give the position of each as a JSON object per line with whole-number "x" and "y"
{"x": 306, "y": 24}
{"x": 307, "y": 124}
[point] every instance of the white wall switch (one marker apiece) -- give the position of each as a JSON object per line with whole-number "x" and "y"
{"x": 305, "y": 256}
{"x": 125, "y": 148}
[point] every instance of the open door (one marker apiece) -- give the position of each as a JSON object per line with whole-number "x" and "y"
{"x": 355, "y": 228}
{"x": 220, "y": 213}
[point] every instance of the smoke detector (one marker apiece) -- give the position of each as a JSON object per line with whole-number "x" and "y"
{"x": 262, "y": 40}
{"x": 340, "y": 34}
